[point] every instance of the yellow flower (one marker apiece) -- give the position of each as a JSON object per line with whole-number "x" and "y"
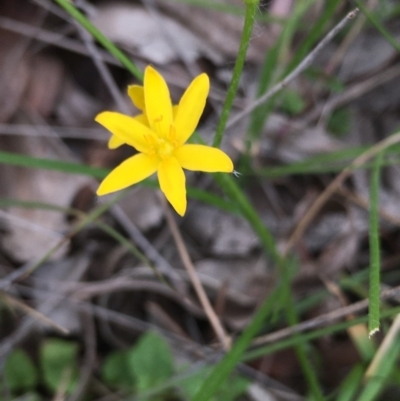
{"x": 159, "y": 135}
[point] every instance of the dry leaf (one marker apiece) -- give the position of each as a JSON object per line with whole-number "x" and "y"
{"x": 223, "y": 233}
{"x": 32, "y": 232}
{"x": 220, "y": 30}
{"x": 156, "y": 38}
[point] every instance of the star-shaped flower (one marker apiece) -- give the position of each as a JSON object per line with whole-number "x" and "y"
{"x": 159, "y": 135}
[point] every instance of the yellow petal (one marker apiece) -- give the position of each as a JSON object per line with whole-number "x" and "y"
{"x": 204, "y": 158}
{"x": 142, "y": 119}
{"x": 136, "y": 93}
{"x": 172, "y": 183}
{"x": 158, "y": 102}
{"x": 129, "y": 172}
{"x": 127, "y": 129}
{"x": 114, "y": 142}
{"x": 174, "y": 111}
{"x": 191, "y": 107}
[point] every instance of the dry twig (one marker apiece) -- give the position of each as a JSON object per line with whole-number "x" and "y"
{"x": 33, "y": 312}
{"x": 323, "y": 320}
{"x": 187, "y": 262}
{"x": 297, "y": 71}
{"x": 334, "y": 185}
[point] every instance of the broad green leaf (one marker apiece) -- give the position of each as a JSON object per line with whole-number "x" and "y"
{"x": 58, "y": 361}
{"x": 19, "y": 372}
{"x": 116, "y": 372}
{"x": 291, "y": 102}
{"x": 150, "y": 362}
{"x": 339, "y": 122}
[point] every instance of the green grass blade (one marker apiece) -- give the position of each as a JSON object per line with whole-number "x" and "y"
{"x": 316, "y": 31}
{"x": 300, "y": 346}
{"x": 212, "y": 200}
{"x": 223, "y": 369}
{"x": 378, "y": 25}
{"x": 8, "y": 202}
{"x": 376, "y": 384}
{"x": 326, "y": 163}
{"x": 229, "y": 185}
{"x": 271, "y": 63}
{"x": 228, "y": 8}
{"x": 374, "y": 245}
{"x": 103, "y": 40}
{"x": 18, "y": 159}
{"x": 312, "y": 335}
{"x": 96, "y": 213}
{"x": 351, "y": 384}
{"x": 231, "y": 188}
{"x": 270, "y": 69}
{"x": 251, "y": 9}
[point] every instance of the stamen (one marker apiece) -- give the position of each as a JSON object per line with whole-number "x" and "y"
{"x": 172, "y": 135}
{"x": 157, "y": 125}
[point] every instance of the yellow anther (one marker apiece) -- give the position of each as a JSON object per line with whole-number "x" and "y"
{"x": 172, "y": 135}
{"x": 157, "y": 125}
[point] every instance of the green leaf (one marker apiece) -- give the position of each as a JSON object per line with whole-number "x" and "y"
{"x": 150, "y": 362}
{"x": 19, "y": 372}
{"x": 339, "y": 122}
{"x": 116, "y": 372}
{"x": 58, "y": 361}
{"x": 330, "y": 83}
{"x": 231, "y": 389}
{"x": 291, "y": 102}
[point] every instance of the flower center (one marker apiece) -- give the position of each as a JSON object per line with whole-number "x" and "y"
{"x": 164, "y": 148}
{"x": 161, "y": 146}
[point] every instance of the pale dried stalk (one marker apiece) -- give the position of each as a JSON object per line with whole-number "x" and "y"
{"x": 187, "y": 262}
{"x": 383, "y": 349}
{"x": 348, "y": 40}
{"x": 334, "y": 185}
{"x": 33, "y": 312}
{"x": 363, "y": 202}
{"x": 323, "y": 320}
{"x": 297, "y": 71}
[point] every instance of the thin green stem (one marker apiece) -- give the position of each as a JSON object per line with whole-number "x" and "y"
{"x": 374, "y": 246}
{"x": 19, "y": 159}
{"x": 378, "y": 25}
{"x": 251, "y": 9}
{"x": 75, "y": 230}
{"x": 224, "y": 368}
{"x": 310, "y": 336}
{"x": 270, "y": 68}
{"x": 103, "y": 40}
{"x": 300, "y": 347}
{"x": 230, "y": 187}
